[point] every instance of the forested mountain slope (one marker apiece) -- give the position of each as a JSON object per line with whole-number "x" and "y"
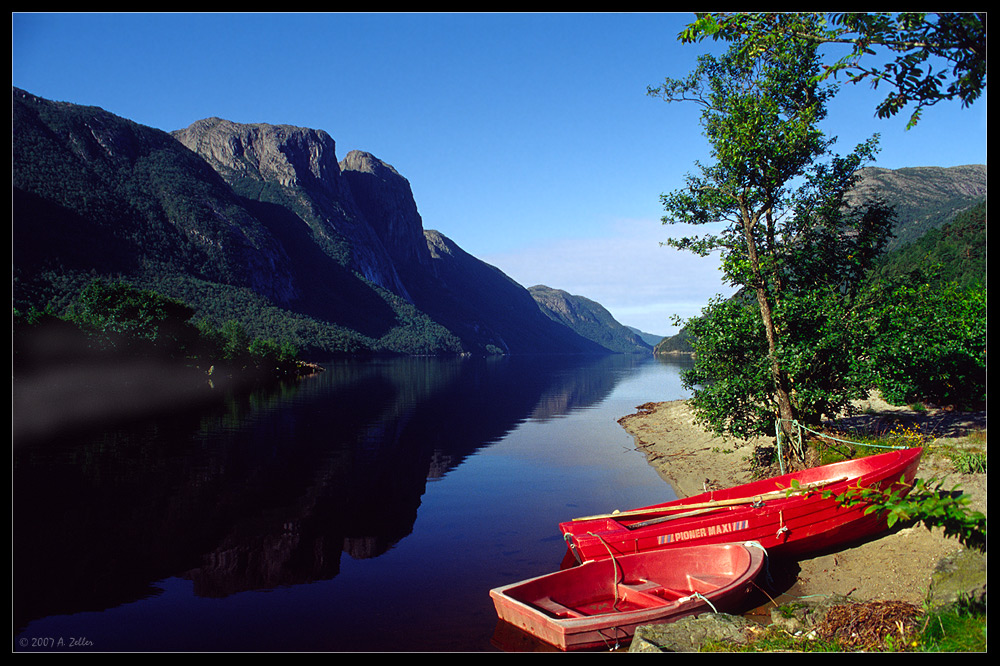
{"x": 257, "y": 223}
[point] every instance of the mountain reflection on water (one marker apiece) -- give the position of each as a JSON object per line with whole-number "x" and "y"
{"x": 267, "y": 491}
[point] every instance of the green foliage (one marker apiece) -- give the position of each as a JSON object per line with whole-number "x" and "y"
{"x": 231, "y": 346}
{"x": 272, "y": 351}
{"x": 924, "y": 46}
{"x": 124, "y": 320}
{"x": 123, "y": 317}
{"x": 821, "y": 353}
{"x": 927, "y": 343}
{"x": 730, "y": 379}
{"x": 789, "y": 241}
{"x": 925, "y": 503}
{"x": 954, "y": 253}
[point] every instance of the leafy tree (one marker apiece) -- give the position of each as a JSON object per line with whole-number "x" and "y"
{"x": 731, "y": 378}
{"x": 924, "y": 45}
{"x": 271, "y": 351}
{"x": 928, "y": 343}
{"x": 128, "y": 321}
{"x": 131, "y": 319}
{"x": 787, "y": 232}
{"x": 235, "y": 341}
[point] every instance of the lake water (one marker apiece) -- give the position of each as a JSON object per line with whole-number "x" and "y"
{"x": 370, "y": 507}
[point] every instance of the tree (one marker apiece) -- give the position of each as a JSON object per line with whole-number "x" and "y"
{"x": 787, "y": 234}
{"x": 925, "y": 46}
{"x": 928, "y": 343}
{"x": 135, "y": 320}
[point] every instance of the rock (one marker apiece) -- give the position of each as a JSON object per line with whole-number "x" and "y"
{"x": 386, "y": 200}
{"x": 959, "y": 577}
{"x": 303, "y": 161}
{"x": 688, "y": 634}
{"x": 801, "y": 617}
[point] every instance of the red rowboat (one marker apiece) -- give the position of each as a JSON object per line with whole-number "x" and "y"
{"x": 807, "y": 519}
{"x": 601, "y": 602}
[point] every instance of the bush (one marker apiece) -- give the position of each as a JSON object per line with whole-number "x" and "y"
{"x": 929, "y": 344}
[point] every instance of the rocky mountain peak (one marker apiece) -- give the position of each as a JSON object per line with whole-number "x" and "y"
{"x": 304, "y": 161}
{"x": 386, "y": 200}
{"x": 285, "y": 154}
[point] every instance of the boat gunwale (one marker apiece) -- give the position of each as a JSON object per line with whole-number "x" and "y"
{"x": 585, "y": 534}
{"x": 560, "y": 631}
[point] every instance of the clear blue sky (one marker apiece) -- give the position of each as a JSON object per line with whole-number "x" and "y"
{"x": 527, "y": 138}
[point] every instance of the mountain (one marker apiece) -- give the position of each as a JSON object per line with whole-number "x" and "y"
{"x": 588, "y": 318}
{"x": 924, "y": 198}
{"x": 94, "y": 191}
{"x": 259, "y": 223}
{"x": 680, "y": 343}
{"x": 940, "y": 220}
{"x": 954, "y": 253}
{"x": 650, "y": 339}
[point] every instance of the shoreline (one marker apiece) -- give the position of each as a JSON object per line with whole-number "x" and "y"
{"x": 896, "y": 566}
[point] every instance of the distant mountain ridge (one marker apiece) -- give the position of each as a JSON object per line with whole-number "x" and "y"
{"x": 260, "y": 223}
{"x": 588, "y": 318}
{"x": 924, "y": 198}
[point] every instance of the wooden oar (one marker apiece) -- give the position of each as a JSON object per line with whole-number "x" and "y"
{"x": 663, "y": 519}
{"x": 775, "y": 494}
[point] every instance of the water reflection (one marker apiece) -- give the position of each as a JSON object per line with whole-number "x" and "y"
{"x": 269, "y": 489}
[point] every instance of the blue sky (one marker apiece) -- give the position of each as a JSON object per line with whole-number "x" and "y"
{"x": 527, "y": 138}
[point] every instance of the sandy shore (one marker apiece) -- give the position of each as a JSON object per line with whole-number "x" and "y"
{"x": 896, "y": 566}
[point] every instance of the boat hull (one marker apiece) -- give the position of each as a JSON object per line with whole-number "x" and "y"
{"x": 600, "y": 603}
{"x": 787, "y": 524}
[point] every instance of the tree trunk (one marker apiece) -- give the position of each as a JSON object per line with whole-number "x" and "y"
{"x": 782, "y": 394}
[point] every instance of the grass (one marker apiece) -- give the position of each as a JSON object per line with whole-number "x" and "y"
{"x": 970, "y": 462}
{"x": 957, "y": 628}
{"x": 773, "y": 639}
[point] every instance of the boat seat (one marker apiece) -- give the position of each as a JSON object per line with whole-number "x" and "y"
{"x": 641, "y": 585}
{"x": 705, "y": 582}
{"x": 553, "y": 607}
{"x": 651, "y": 590}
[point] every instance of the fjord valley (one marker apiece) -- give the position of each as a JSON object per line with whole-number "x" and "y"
{"x": 262, "y": 224}
{"x": 256, "y": 223}
{"x": 458, "y": 418}
{"x": 242, "y": 236}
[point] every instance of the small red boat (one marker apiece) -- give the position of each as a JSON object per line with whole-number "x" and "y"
{"x": 601, "y": 602}
{"x": 792, "y": 514}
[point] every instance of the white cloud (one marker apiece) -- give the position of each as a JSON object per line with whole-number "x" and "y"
{"x": 641, "y": 282}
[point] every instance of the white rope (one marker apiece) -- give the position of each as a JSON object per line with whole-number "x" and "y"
{"x": 799, "y": 428}
{"x": 698, "y": 595}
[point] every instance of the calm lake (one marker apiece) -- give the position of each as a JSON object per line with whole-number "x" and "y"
{"x": 370, "y": 507}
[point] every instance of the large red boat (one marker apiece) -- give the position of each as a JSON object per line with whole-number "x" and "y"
{"x": 601, "y": 602}
{"x": 792, "y": 514}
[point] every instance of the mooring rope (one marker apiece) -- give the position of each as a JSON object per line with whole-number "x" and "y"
{"x": 798, "y": 443}
{"x": 614, "y": 568}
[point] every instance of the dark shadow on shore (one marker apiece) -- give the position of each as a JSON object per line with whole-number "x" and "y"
{"x": 935, "y": 422}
